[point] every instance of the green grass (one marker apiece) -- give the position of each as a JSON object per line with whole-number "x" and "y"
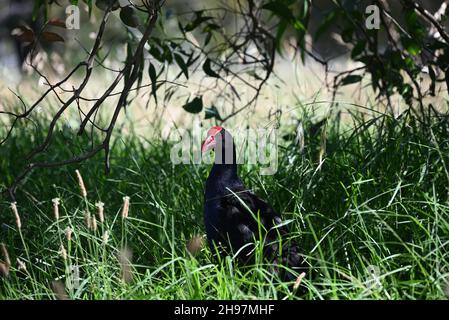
{"x": 380, "y": 200}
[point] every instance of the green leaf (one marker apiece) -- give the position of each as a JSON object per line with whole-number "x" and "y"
{"x": 51, "y": 37}
{"x": 141, "y": 67}
{"x": 208, "y": 38}
{"x": 358, "y": 49}
{"x": 411, "y": 18}
{"x": 180, "y": 62}
{"x": 129, "y": 56}
{"x": 279, "y": 9}
{"x": 447, "y": 78}
{"x": 411, "y": 46}
{"x": 407, "y": 92}
{"x": 37, "y": 5}
{"x": 167, "y": 50}
{"x": 23, "y": 34}
{"x": 153, "y": 78}
{"x": 433, "y": 79}
{"x": 56, "y": 23}
{"x": 152, "y": 73}
{"x": 409, "y": 63}
{"x": 199, "y": 19}
{"x": 208, "y": 70}
{"x": 104, "y": 4}
{"x": 413, "y": 49}
{"x": 324, "y": 26}
{"x": 156, "y": 53}
{"x": 209, "y": 29}
{"x": 298, "y": 25}
{"x": 129, "y": 17}
{"x": 254, "y": 74}
{"x": 346, "y": 34}
{"x": 279, "y": 33}
{"x": 352, "y": 78}
{"x": 89, "y": 5}
{"x": 212, "y": 112}
{"x": 194, "y": 106}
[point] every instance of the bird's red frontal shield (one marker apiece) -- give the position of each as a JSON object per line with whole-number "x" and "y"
{"x": 209, "y": 143}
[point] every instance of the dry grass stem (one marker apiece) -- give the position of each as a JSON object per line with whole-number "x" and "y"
{"x": 298, "y": 281}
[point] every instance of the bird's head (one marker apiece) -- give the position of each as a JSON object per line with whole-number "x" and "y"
{"x": 211, "y": 139}
{"x": 221, "y": 141}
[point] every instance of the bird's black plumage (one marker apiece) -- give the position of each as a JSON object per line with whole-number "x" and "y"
{"x": 232, "y": 212}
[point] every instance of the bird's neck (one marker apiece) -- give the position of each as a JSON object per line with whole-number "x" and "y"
{"x": 224, "y": 171}
{"x": 221, "y": 178}
{"x": 225, "y": 164}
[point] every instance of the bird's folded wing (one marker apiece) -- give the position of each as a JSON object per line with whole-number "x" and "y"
{"x": 245, "y": 207}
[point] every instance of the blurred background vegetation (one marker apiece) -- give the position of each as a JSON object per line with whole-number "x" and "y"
{"x": 315, "y": 41}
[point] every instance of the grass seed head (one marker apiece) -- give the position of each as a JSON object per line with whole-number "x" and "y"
{"x": 124, "y": 257}
{"x": 68, "y": 233}
{"x": 5, "y": 254}
{"x": 105, "y": 237}
{"x": 56, "y": 208}
{"x": 6, "y": 265}
{"x": 94, "y": 223}
{"x": 59, "y": 290}
{"x": 81, "y": 184}
{"x": 125, "y": 210}
{"x": 63, "y": 252}
{"x": 298, "y": 281}
{"x": 88, "y": 220}
{"x": 16, "y": 214}
{"x": 194, "y": 245}
{"x": 21, "y": 265}
{"x": 100, "y": 206}
{"x": 300, "y": 136}
{"x": 4, "y": 270}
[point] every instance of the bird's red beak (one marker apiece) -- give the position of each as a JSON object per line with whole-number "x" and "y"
{"x": 209, "y": 143}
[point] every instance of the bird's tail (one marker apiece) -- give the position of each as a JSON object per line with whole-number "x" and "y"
{"x": 287, "y": 260}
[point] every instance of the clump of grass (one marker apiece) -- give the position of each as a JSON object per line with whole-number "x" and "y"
{"x": 372, "y": 220}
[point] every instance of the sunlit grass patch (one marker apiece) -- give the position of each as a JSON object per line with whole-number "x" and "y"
{"x": 372, "y": 220}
